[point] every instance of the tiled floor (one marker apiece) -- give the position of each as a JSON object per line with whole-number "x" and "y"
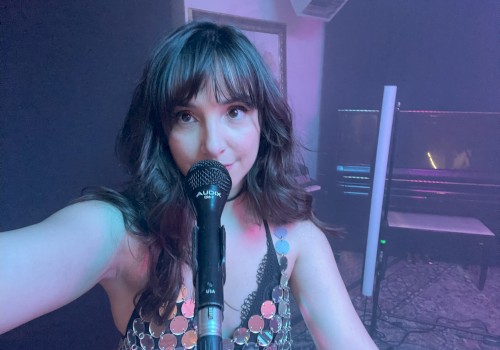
{"x": 425, "y": 305}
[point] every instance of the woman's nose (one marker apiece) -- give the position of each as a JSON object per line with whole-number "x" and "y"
{"x": 213, "y": 141}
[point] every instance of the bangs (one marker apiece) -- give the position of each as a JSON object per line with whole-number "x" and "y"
{"x": 226, "y": 75}
{"x": 219, "y": 60}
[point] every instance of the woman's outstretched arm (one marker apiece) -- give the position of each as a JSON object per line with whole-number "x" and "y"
{"x": 49, "y": 264}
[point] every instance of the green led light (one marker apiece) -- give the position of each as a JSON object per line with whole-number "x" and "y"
{"x": 383, "y": 241}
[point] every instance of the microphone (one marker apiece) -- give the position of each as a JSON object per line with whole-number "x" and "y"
{"x": 208, "y": 184}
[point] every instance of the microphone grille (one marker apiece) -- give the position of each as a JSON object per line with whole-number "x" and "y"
{"x": 208, "y": 172}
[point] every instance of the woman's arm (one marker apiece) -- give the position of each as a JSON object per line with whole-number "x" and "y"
{"x": 321, "y": 294}
{"x": 48, "y": 265}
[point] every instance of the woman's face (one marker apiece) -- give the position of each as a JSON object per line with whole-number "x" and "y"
{"x": 228, "y": 132}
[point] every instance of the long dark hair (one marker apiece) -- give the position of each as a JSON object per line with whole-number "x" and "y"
{"x": 154, "y": 203}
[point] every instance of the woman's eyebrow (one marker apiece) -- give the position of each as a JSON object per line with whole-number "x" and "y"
{"x": 189, "y": 104}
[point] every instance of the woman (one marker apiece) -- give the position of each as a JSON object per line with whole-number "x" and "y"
{"x": 205, "y": 94}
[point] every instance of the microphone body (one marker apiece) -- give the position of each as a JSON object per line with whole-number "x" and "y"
{"x": 209, "y": 184}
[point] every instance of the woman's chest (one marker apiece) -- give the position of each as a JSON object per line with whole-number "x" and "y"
{"x": 256, "y": 303}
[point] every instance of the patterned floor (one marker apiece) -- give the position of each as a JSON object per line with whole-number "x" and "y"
{"x": 424, "y": 305}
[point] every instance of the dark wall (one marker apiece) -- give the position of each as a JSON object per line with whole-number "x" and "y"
{"x": 68, "y": 69}
{"x": 442, "y": 55}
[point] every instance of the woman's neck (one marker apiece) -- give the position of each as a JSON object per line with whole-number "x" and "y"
{"x": 236, "y": 214}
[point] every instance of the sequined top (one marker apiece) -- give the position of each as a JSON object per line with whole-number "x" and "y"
{"x": 265, "y": 314}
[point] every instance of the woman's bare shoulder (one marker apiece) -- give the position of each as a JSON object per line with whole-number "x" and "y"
{"x": 304, "y": 233}
{"x": 99, "y": 213}
{"x": 108, "y": 223}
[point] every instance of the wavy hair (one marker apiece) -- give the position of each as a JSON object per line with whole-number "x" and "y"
{"x": 154, "y": 203}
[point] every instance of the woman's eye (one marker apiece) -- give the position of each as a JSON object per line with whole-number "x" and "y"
{"x": 236, "y": 111}
{"x": 184, "y": 117}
